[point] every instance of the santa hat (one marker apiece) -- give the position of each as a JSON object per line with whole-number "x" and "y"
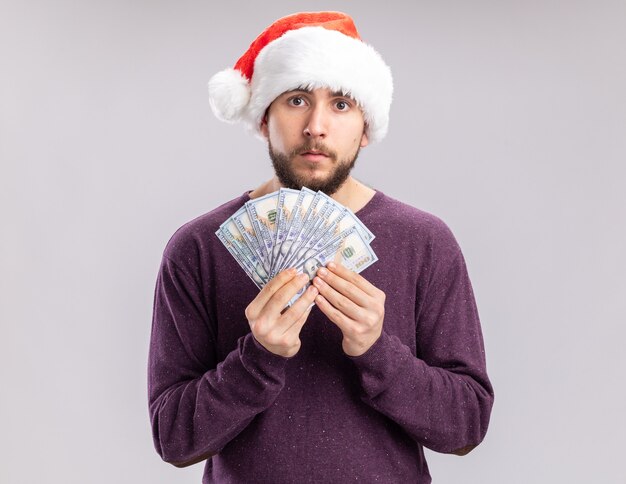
{"x": 307, "y": 51}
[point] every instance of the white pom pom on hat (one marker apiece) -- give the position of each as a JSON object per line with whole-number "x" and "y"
{"x": 316, "y": 49}
{"x": 229, "y": 93}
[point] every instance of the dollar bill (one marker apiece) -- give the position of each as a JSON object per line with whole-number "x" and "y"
{"x": 241, "y": 260}
{"x": 262, "y": 212}
{"x": 317, "y": 230}
{"x": 306, "y": 226}
{"x": 244, "y": 225}
{"x": 233, "y": 235}
{"x": 288, "y": 202}
{"x": 300, "y": 210}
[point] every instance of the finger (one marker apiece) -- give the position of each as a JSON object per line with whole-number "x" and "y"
{"x": 345, "y": 287}
{"x": 344, "y": 323}
{"x": 281, "y": 297}
{"x": 301, "y": 306}
{"x": 338, "y": 300}
{"x": 259, "y": 302}
{"x": 354, "y": 278}
{"x": 296, "y": 327}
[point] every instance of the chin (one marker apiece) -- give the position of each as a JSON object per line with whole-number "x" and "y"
{"x": 315, "y": 180}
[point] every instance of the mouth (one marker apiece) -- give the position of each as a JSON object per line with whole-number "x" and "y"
{"x": 314, "y": 155}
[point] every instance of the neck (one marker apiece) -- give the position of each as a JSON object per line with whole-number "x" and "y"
{"x": 352, "y": 193}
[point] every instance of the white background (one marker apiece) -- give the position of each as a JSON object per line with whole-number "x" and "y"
{"x": 508, "y": 122}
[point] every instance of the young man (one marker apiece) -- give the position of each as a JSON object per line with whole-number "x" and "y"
{"x": 384, "y": 363}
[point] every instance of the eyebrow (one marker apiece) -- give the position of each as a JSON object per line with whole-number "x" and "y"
{"x": 333, "y": 94}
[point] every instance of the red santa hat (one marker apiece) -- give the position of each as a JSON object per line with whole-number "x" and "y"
{"x": 305, "y": 50}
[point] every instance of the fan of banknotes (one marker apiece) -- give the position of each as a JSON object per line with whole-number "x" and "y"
{"x": 295, "y": 228}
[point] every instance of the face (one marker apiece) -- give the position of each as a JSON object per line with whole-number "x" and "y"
{"x": 310, "y": 267}
{"x": 314, "y": 138}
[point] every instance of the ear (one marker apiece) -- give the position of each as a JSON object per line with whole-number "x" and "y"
{"x": 264, "y": 129}
{"x": 364, "y": 139}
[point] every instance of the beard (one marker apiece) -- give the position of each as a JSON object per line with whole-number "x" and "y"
{"x": 288, "y": 177}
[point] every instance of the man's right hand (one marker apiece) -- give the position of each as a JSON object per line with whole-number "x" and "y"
{"x": 277, "y": 331}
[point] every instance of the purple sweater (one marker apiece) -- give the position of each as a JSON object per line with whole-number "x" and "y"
{"x": 320, "y": 416}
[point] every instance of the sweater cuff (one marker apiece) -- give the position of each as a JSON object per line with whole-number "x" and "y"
{"x": 381, "y": 363}
{"x": 260, "y": 362}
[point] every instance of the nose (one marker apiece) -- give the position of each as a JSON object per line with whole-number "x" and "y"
{"x": 317, "y": 122}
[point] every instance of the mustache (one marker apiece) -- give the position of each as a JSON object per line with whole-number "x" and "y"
{"x": 313, "y": 146}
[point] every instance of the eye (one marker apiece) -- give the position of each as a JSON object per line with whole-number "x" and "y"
{"x": 296, "y": 101}
{"x": 342, "y": 105}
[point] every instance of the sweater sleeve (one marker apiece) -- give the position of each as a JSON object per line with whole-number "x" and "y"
{"x": 198, "y": 404}
{"x": 442, "y": 396}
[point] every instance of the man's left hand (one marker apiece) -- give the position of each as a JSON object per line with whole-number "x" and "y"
{"x": 351, "y": 302}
